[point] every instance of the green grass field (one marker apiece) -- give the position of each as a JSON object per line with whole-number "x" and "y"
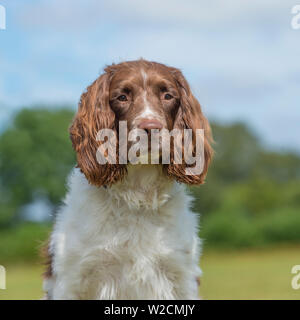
{"x": 252, "y": 274}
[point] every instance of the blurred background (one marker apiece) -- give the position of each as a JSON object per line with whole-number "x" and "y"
{"x": 242, "y": 61}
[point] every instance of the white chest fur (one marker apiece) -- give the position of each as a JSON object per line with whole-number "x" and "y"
{"x": 134, "y": 240}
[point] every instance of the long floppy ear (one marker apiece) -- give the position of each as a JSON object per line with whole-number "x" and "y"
{"x": 94, "y": 113}
{"x": 190, "y": 116}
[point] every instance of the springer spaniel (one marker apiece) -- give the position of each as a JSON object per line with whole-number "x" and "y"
{"x": 125, "y": 231}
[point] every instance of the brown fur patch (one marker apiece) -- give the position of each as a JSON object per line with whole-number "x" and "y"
{"x": 47, "y": 259}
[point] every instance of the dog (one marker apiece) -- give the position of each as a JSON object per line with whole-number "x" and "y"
{"x": 126, "y": 231}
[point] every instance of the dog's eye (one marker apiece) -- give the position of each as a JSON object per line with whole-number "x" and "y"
{"x": 168, "y": 96}
{"x": 122, "y": 97}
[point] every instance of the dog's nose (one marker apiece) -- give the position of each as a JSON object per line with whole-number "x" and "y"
{"x": 148, "y": 124}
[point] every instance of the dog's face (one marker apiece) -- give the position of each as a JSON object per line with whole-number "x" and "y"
{"x": 147, "y": 98}
{"x": 147, "y": 95}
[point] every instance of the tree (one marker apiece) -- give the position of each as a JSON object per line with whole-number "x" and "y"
{"x": 35, "y": 157}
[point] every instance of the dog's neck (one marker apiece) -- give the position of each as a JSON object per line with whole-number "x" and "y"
{"x": 145, "y": 186}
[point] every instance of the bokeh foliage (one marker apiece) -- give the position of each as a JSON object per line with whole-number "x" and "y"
{"x": 251, "y": 197}
{"x": 35, "y": 157}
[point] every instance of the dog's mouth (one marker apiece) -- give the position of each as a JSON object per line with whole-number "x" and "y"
{"x": 145, "y": 153}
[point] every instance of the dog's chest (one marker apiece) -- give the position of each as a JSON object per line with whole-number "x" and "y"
{"x": 138, "y": 260}
{"x": 136, "y": 246}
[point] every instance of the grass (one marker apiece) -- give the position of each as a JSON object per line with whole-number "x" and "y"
{"x": 23, "y": 282}
{"x": 251, "y": 274}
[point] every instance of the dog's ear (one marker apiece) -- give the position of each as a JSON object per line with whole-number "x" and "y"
{"x": 190, "y": 116}
{"x": 94, "y": 113}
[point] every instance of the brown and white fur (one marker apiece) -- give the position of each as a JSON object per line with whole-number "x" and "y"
{"x": 126, "y": 231}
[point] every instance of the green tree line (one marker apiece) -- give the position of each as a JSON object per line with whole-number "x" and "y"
{"x": 251, "y": 196}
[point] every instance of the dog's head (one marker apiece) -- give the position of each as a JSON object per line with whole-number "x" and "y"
{"x": 147, "y": 95}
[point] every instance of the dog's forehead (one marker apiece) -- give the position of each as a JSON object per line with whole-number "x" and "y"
{"x": 141, "y": 77}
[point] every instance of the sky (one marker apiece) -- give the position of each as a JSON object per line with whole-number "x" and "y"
{"x": 241, "y": 58}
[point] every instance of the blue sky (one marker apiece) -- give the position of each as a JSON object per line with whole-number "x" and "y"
{"x": 242, "y": 58}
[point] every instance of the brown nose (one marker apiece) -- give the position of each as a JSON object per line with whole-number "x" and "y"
{"x": 148, "y": 124}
